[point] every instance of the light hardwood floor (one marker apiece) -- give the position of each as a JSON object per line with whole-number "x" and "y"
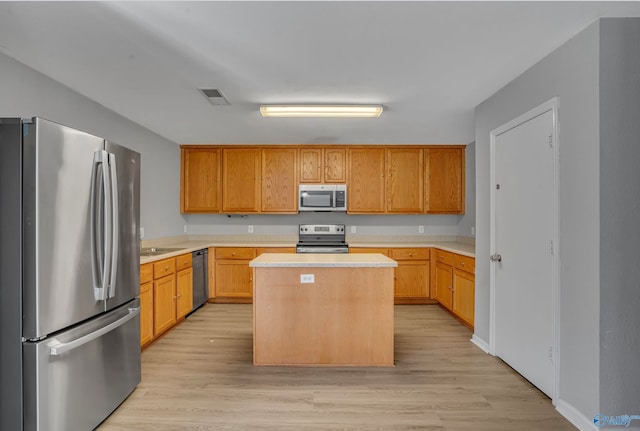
{"x": 200, "y": 377}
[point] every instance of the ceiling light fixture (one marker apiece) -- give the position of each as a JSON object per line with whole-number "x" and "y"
{"x": 362, "y": 111}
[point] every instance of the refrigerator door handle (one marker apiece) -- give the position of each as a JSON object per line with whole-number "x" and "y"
{"x": 101, "y": 234}
{"x": 115, "y": 237}
{"x": 57, "y": 348}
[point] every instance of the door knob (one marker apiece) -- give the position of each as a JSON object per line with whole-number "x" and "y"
{"x": 495, "y": 258}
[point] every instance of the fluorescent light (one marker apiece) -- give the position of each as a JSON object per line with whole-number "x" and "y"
{"x": 321, "y": 110}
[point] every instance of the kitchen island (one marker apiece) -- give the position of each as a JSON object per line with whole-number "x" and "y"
{"x": 323, "y": 309}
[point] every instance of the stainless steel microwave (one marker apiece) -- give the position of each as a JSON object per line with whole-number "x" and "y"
{"x": 322, "y": 197}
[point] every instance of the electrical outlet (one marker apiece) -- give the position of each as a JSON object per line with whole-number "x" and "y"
{"x": 307, "y": 278}
{"x": 353, "y": 229}
{"x": 141, "y": 232}
{"x": 473, "y": 231}
{"x": 250, "y": 228}
{"x": 185, "y": 228}
{"x": 420, "y": 229}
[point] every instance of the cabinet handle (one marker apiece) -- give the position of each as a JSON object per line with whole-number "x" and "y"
{"x": 410, "y": 254}
{"x": 461, "y": 263}
{"x": 166, "y": 268}
{"x": 233, "y": 253}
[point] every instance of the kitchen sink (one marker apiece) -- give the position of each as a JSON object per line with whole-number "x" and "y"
{"x": 155, "y": 251}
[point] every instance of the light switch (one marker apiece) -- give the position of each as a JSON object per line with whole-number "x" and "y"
{"x": 307, "y": 278}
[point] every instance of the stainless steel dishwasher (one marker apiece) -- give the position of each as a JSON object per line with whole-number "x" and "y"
{"x": 200, "y": 265}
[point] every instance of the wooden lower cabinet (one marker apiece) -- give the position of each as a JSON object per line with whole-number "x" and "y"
{"x": 444, "y": 284}
{"x": 233, "y": 278}
{"x": 464, "y": 295}
{"x": 146, "y": 304}
{"x": 164, "y": 304}
{"x": 411, "y": 279}
{"x": 166, "y": 295}
{"x": 184, "y": 292}
{"x": 454, "y": 281}
{"x": 411, "y": 284}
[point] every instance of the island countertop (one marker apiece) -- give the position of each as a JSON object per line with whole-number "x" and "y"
{"x": 337, "y": 260}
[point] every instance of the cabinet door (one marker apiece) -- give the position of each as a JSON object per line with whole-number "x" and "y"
{"x": 311, "y": 165}
{"x": 365, "y": 185}
{"x": 240, "y": 180}
{"x": 464, "y": 295}
{"x": 279, "y": 180}
{"x": 412, "y": 279}
{"x": 405, "y": 180}
{"x": 164, "y": 305}
{"x": 184, "y": 292}
{"x": 445, "y": 180}
{"x": 233, "y": 279}
{"x": 444, "y": 284}
{"x": 146, "y": 313}
{"x": 335, "y": 165}
{"x": 200, "y": 180}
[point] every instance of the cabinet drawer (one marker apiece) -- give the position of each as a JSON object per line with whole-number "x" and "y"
{"x": 444, "y": 257}
{"x": 384, "y": 251}
{"x": 261, "y": 250}
{"x": 235, "y": 253}
{"x": 183, "y": 261}
{"x": 464, "y": 263}
{"x": 409, "y": 253}
{"x": 146, "y": 273}
{"x": 164, "y": 267}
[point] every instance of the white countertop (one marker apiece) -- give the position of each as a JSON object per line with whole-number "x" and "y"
{"x": 190, "y": 245}
{"x": 280, "y": 260}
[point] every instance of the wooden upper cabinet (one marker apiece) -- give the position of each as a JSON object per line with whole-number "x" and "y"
{"x": 323, "y": 165}
{"x": 311, "y": 165}
{"x": 335, "y": 165}
{"x": 445, "y": 180}
{"x": 200, "y": 177}
{"x": 405, "y": 180}
{"x": 241, "y": 180}
{"x": 279, "y": 180}
{"x": 366, "y": 180}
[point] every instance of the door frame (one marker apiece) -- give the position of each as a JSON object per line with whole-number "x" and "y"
{"x": 551, "y": 105}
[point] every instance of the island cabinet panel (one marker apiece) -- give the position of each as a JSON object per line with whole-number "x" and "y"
{"x": 366, "y": 180}
{"x": 279, "y": 180}
{"x": 405, "y": 180}
{"x": 241, "y": 185}
{"x": 412, "y": 276}
{"x": 146, "y": 304}
{"x": 345, "y": 318}
{"x": 445, "y": 180}
{"x": 323, "y": 165}
{"x": 200, "y": 180}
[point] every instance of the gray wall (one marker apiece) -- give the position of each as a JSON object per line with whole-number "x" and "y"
{"x": 570, "y": 72}
{"x": 25, "y": 92}
{"x": 620, "y": 217}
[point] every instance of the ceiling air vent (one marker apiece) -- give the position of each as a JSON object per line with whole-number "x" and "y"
{"x": 214, "y": 96}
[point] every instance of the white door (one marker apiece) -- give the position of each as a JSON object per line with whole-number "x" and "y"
{"x": 523, "y": 231}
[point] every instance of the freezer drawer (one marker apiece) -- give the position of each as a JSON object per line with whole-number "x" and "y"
{"x": 75, "y": 379}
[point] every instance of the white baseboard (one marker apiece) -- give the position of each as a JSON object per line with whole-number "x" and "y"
{"x": 574, "y": 416}
{"x": 480, "y": 343}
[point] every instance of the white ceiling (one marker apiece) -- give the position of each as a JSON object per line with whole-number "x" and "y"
{"x": 429, "y": 63}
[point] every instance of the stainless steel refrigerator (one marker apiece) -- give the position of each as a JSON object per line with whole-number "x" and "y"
{"x": 69, "y": 276}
